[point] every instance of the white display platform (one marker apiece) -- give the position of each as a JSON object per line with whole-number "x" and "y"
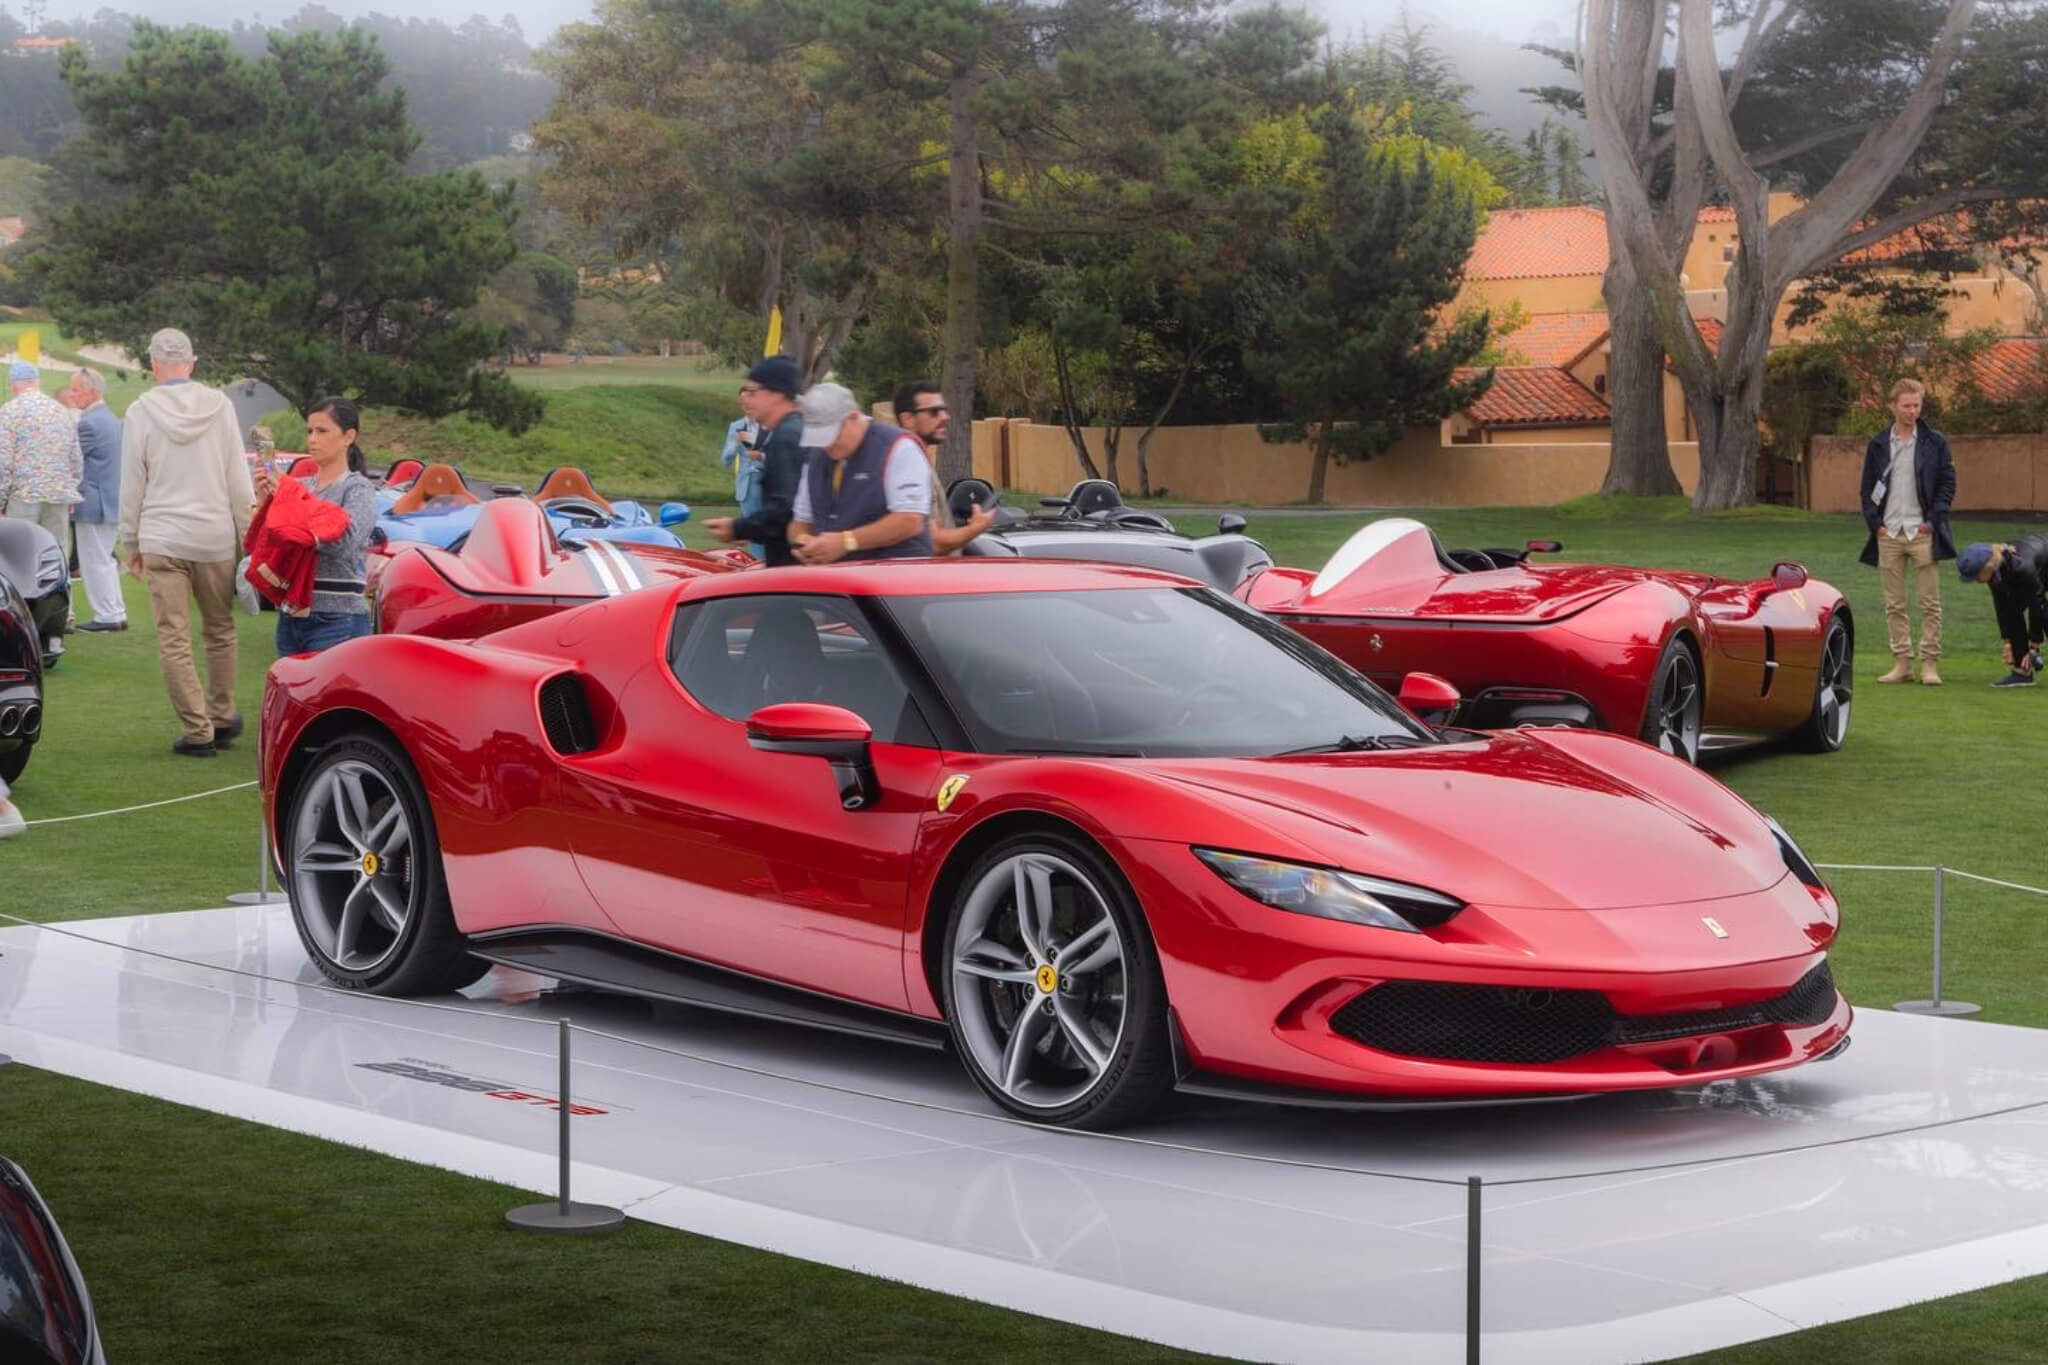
{"x": 1236, "y": 1229}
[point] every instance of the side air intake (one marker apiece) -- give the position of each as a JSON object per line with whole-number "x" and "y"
{"x": 565, "y": 715}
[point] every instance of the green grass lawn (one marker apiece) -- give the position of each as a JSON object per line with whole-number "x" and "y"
{"x": 316, "y": 1251}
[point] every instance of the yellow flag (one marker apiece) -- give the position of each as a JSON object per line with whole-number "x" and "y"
{"x": 29, "y": 346}
{"x": 774, "y": 346}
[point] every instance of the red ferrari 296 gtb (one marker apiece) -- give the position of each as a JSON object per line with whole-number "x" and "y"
{"x": 1103, "y": 830}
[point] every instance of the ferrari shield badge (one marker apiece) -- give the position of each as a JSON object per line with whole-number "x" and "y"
{"x": 1713, "y": 926}
{"x": 950, "y": 788}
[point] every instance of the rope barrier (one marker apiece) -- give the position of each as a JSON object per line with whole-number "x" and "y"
{"x": 1950, "y": 871}
{"x": 147, "y": 805}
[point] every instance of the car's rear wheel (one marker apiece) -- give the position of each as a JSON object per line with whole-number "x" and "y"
{"x": 1052, "y": 986}
{"x": 363, "y": 868}
{"x": 1827, "y": 725}
{"x": 1671, "y": 720}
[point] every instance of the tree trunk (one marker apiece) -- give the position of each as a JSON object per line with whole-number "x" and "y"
{"x": 1319, "y": 466}
{"x": 1144, "y": 466}
{"x": 1728, "y": 446}
{"x": 1639, "y": 457}
{"x": 1068, "y": 417}
{"x": 1112, "y": 436}
{"x": 963, "y": 263}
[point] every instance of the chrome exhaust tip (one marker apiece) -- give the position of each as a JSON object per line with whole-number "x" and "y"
{"x": 31, "y": 719}
{"x": 10, "y": 721}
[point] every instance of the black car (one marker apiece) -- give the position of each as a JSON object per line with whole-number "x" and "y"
{"x": 33, "y": 561}
{"x": 1093, "y": 523}
{"x": 21, "y": 669}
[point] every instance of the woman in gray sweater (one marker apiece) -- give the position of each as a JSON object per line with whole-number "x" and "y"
{"x": 339, "y": 611}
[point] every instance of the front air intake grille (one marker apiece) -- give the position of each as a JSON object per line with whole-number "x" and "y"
{"x": 565, "y": 715}
{"x": 1520, "y": 1026}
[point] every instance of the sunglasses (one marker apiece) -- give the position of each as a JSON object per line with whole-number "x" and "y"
{"x": 927, "y": 412}
{"x": 746, "y": 389}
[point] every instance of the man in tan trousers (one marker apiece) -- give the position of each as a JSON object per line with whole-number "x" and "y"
{"x": 185, "y": 503}
{"x": 1909, "y": 483}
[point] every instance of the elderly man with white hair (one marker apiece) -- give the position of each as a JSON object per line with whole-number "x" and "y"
{"x": 186, "y": 495}
{"x": 98, "y": 516}
{"x": 39, "y": 458}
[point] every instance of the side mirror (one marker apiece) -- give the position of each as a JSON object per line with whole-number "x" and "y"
{"x": 1543, "y": 547}
{"x": 1230, "y": 524}
{"x": 1429, "y": 698}
{"x": 51, "y": 1314}
{"x": 674, "y": 513}
{"x": 832, "y": 733}
{"x": 1788, "y": 574}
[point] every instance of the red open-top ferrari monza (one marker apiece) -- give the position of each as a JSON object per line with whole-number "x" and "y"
{"x": 1111, "y": 831}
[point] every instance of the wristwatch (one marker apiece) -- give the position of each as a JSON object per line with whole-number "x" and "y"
{"x": 848, "y": 541}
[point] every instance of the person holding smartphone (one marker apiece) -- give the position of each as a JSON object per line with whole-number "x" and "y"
{"x": 768, "y": 397}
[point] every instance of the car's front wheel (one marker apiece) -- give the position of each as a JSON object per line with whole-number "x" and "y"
{"x": 1052, "y": 986}
{"x": 1827, "y": 725}
{"x": 15, "y": 762}
{"x": 364, "y": 872}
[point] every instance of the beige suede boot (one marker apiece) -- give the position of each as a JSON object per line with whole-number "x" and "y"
{"x": 1929, "y": 677}
{"x": 1902, "y": 671}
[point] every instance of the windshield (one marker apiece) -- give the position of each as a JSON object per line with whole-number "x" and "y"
{"x": 1154, "y": 672}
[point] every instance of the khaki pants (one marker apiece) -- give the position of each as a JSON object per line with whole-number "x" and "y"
{"x": 1893, "y": 555}
{"x": 173, "y": 585}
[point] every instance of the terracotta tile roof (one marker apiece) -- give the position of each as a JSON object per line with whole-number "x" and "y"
{"x": 1555, "y": 338}
{"x": 2012, "y": 369}
{"x": 1717, "y": 213}
{"x": 1710, "y": 332}
{"x": 1535, "y": 396}
{"x": 1523, "y": 244}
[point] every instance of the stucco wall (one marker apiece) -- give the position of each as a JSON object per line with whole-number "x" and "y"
{"x": 1542, "y": 294}
{"x": 1993, "y": 473}
{"x": 1232, "y": 464}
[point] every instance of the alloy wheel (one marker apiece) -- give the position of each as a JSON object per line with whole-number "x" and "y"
{"x": 352, "y": 883}
{"x": 1040, "y": 980}
{"x": 1678, "y": 706}
{"x": 1836, "y": 687}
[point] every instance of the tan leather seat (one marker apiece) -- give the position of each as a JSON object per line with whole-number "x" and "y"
{"x": 435, "y": 481}
{"x": 567, "y": 481}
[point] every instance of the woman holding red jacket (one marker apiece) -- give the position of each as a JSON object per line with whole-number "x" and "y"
{"x": 339, "y": 609}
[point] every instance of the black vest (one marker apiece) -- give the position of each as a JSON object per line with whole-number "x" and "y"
{"x": 863, "y": 494}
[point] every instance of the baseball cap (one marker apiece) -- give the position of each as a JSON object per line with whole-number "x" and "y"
{"x": 22, "y": 372}
{"x": 825, "y": 408}
{"x": 1972, "y": 560}
{"x": 778, "y": 374}
{"x": 171, "y": 346}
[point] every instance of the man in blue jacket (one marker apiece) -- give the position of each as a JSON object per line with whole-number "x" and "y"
{"x": 1909, "y": 482}
{"x": 99, "y": 507}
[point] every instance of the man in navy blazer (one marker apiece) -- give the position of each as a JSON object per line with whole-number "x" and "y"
{"x": 99, "y": 508}
{"x": 1909, "y": 482}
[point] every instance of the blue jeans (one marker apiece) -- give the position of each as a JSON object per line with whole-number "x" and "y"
{"x": 321, "y": 630}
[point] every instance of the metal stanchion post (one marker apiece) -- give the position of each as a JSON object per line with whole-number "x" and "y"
{"x": 563, "y": 1214}
{"x": 1948, "y": 1009}
{"x": 1473, "y": 1186}
{"x": 264, "y": 894}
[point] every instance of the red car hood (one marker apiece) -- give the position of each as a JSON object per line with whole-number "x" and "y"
{"x": 1512, "y": 821}
{"x": 1521, "y": 595}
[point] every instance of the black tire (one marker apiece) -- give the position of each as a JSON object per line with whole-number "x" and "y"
{"x": 14, "y": 761}
{"x": 1137, "y": 1069}
{"x": 1676, "y": 702}
{"x": 425, "y": 954}
{"x": 1827, "y": 725}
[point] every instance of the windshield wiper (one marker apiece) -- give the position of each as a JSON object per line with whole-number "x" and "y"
{"x": 1348, "y": 744}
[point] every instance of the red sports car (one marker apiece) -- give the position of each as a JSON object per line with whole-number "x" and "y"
{"x": 1106, "y": 831}
{"x": 1685, "y": 661}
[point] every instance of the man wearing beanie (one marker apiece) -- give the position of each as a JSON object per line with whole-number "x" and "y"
{"x": 867, "y": 490}
{"x": 2016, "y": 573}
{"x": 769, "y": 397}
{"x": 40, "y": 463}
{"x": 185, "y": 503}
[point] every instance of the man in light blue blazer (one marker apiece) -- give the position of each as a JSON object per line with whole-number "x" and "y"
{"x": 99, "y": 508}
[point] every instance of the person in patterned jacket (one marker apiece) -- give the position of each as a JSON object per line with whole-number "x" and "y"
{"x": 40, "y": 460}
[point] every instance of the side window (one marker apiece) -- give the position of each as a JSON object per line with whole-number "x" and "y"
{"x": 738, "y": 654}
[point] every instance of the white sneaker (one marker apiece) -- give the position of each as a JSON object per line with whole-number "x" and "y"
{"x": 11, "y": 820}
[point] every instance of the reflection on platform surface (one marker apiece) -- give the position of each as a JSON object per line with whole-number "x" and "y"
{"x": 1228, "y": 1227}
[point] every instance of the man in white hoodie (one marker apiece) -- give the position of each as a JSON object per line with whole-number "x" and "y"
{"x": 185, "y": 501}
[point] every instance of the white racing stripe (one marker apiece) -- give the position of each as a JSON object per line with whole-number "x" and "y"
{"x": 599, "y": 567}
{"x": 622, "y": 563}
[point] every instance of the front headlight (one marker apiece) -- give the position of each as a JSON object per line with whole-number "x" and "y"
{"x": 1795, "y": 858}
{"x": 1328, "y": 893}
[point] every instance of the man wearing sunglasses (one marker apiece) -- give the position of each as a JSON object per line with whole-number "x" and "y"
{"x": 921, "y": 411}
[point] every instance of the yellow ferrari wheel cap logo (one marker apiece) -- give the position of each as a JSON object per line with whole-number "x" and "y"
{"x": 369, "y": 864}
{"x": 950, "y": 788}
{"x": 1713, "y": 926}
{"x": 1048, "y": 978}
